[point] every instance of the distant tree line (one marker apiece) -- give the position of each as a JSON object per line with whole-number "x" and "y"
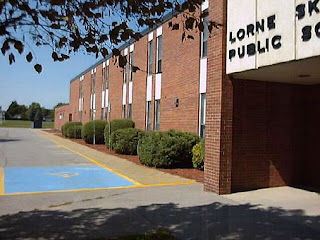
{"x": 32, "y": 112}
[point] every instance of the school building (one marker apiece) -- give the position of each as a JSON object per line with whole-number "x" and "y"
{"x": 251, "y": 89}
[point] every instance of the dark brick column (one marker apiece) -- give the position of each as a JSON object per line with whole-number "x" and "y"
{"x": 218, "y": 158}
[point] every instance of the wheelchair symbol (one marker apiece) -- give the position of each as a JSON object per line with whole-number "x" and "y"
{"x": 65, "y": 174}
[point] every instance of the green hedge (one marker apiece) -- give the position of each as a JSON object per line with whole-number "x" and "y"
{"x": 125, "y": 141}
{"x": 74, "y": 131}
{"x": 198, "y": 155}
{"x": 116, "y": 125}
{"x": 64, "y": 128}
{"x": 89, "y": 128}
{"x": 167, "y": 149}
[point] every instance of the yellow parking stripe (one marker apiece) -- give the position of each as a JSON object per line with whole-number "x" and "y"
{"x": 100, "y": 189}
{"x": 144, "y": 177}
{"x": 95, "y": 162}
{"x": 1, "y": 181}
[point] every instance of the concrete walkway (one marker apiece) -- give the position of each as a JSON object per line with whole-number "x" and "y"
{"x": 140, "y": 175}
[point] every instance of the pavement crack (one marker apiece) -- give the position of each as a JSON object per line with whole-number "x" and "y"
{"x": 60, "y": 205}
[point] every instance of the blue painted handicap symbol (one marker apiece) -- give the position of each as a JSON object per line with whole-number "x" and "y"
{"x": 43, "y": 179}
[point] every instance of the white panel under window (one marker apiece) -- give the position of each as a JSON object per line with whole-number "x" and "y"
{"x": 108, "y": 62}
{"x": 205, "y": 5}
{"x": 149, "y": 88}
{"x": 91, "y": 99}
{"x": 203, "y": 75}
{"x": 131, "y": 47}
{"x": 159, "y": 31}
{"x": 107, "y": 98}
{"x": 158, "y": 87}
{"x": 102, "y": 99}
{"x": 80, "y": 104}
{"x": 125, "y": 52}
{"x": 103, "y": 64}
{"x": 150, "y": 36}
{"x": 124, "y": 94}
{"x": 94, "y": 101}
{"x": 130, "y": 92}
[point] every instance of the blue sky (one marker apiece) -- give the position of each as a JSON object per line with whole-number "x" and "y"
{"x": 22, "y": 83}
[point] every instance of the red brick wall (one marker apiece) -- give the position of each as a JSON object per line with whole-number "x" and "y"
{"x": 310, "y": 163}
{"x": 180, "y": 80}
{"x": 115, "y": 89}
{"x": 139, "y": 83}
{"x": 74, "y": 100}
{"x": 86, "y": 116}
{"x": 268, "y": 134}
{"x": 64, "y": 110}
{"x": 218, "y": 154}
{"x": 99, "y": 91}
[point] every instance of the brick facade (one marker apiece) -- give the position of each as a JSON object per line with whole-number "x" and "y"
{"x": 180, "y": 80}
{"x": 258, "y": 134}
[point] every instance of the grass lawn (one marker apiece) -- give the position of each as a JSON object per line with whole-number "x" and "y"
{"x": 23, "y": 124}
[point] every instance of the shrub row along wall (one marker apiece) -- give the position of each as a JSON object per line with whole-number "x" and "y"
{"x": 167, "y": 149}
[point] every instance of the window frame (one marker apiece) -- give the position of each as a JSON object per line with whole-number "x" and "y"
{"x": 150, "y": 57}
{"x": 202, "y": 114}
{"x": 157, "y": 114}
{"x": 159, "y": 53}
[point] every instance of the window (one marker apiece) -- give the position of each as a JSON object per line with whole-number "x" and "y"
{"x": 105, "y": 77}
{"x": 148, "y": 116}
{"x": 131, "y": 66}
{"x": 203, "y": 102}
{"x": 93, "y": 82}
{"x": 150, "y": 56}
{"x": 157, "y": 115}
{"x": 123, "y": 111}
{"x": 204, "y": 38}
{"x": 159, "y": 54}
{"x": 130, "y": 111}
{"x": 125, "y": 72}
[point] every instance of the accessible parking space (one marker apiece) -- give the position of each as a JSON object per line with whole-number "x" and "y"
{"x": 48, "y": 163}
{"x": 64, "y": 178}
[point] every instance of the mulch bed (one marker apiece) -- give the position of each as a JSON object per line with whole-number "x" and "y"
{"x": 189, "y": 173}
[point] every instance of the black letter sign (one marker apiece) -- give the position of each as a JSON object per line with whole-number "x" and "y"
{"x": 306, "y": 33}
{"x": 300, "y": 11}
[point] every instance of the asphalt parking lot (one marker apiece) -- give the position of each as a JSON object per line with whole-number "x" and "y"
{"x": 63, "y": 205}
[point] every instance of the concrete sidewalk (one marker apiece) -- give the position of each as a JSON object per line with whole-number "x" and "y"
{"x": 140, "y": 175}
{"x": 187, "y": 211}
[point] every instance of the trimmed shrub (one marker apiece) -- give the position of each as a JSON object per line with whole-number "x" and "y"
{"x": 64, "y": 128}
{"x": 116, "y": 125}
{"x": 92, "y": 127}
{"x": 198, "y": 155}
{"x": 74, "y": 131}
{"x": 167, "y": 149}
{"x": 125, "y": 141}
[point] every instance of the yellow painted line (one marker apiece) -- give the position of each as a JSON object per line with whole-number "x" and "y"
{"x": 150, "y": 177}
{"x": 155, "y": 178}
{"x": 100, "y": 189}
{"x": 2, "y": 181}
{"x": 95, "y": 162}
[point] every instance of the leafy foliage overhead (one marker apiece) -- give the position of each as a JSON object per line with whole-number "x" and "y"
{"x": 93, "y": 26}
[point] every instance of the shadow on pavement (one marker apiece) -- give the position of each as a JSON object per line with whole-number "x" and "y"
{"x": 213, "y": 221}
{"x": 9, "y": 140}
